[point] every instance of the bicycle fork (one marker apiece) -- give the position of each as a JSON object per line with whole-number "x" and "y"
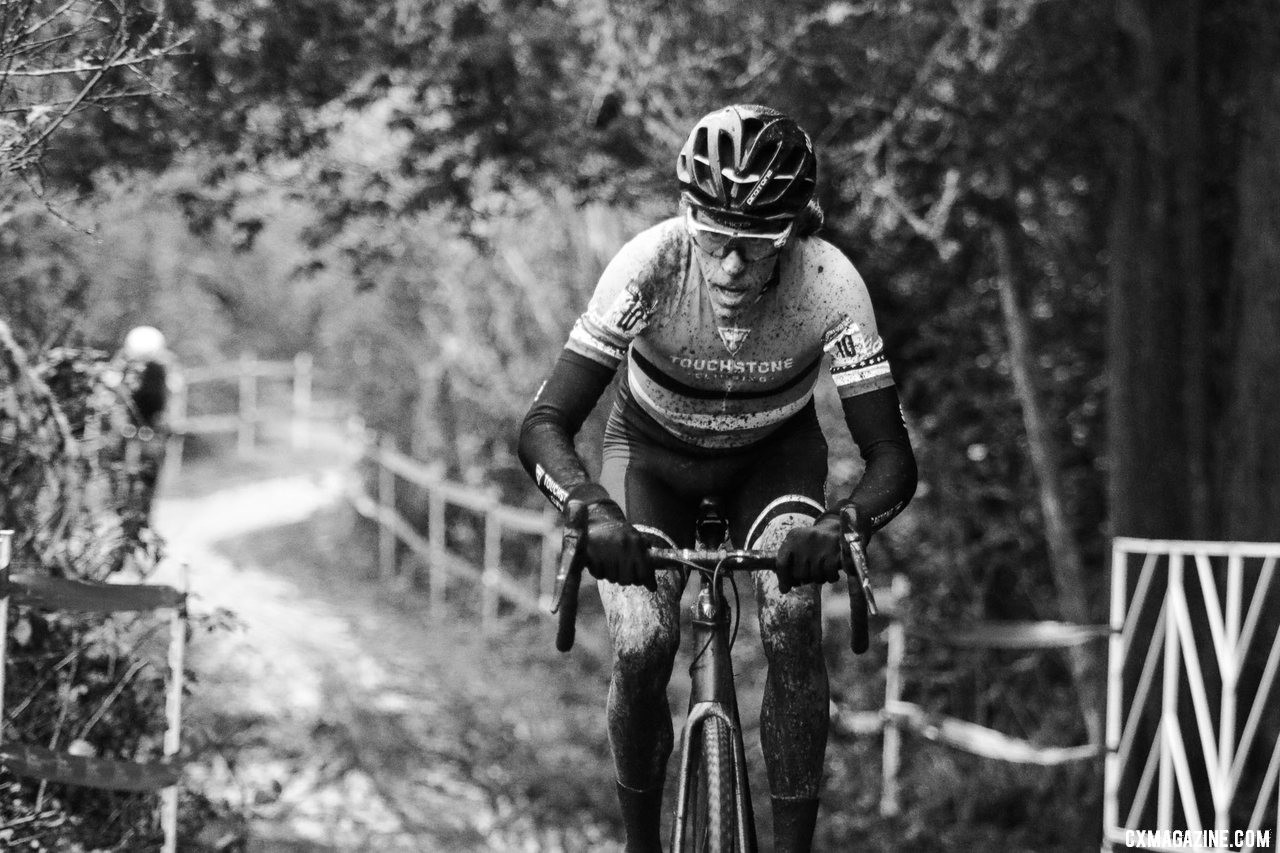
{"x": 713, "y": 697}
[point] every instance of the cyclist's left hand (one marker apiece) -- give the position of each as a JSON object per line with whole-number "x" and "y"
{"x": 811, "y": 554}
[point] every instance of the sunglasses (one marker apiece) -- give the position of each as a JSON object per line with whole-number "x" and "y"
{"x": 718, "y": 241}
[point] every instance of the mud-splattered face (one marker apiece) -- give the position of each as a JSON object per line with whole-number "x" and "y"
{"x": 732, "y": 281}
{"x": 735, "y": 262}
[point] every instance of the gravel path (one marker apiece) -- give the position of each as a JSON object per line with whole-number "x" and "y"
{"x": 333, "y": 717}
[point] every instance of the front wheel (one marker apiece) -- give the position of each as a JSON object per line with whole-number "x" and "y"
{"x": 712, "y": 821}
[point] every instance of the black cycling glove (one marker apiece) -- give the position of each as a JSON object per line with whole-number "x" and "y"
{"x": 616, "y": 551}
{"x": 813, "y": 554}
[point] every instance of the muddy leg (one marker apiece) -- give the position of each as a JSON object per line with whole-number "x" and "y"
{"x": 645, "y": 629}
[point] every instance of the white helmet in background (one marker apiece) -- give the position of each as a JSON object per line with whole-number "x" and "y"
{"x": 144, "y": 343}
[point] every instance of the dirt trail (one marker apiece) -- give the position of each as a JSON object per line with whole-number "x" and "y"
{"x": 335, "y": 718}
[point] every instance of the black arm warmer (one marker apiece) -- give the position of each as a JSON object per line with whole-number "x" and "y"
{"x": 546, "y": 437}
{"x": 889, "y": 480}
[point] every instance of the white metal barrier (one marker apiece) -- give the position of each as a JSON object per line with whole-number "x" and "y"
{"x": 1192, "y": 717}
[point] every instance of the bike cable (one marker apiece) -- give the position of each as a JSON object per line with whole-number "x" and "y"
{"x": 737, "y": 602}
{"x": 737, "y": 611}
{"x": 687, "y": 568}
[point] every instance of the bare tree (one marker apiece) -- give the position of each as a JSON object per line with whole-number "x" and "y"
{"x": 59, "y": 58}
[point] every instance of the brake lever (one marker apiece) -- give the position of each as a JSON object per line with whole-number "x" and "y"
{"x": 848, "y": 522}
{"x": 569, "y": 575}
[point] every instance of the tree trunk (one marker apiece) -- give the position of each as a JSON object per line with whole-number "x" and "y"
{"x": 1251, "y": 463}
{"x": 1158, "y": 324}
{"x": 1250, "y": 492}
{"x": 1065, "y": 559}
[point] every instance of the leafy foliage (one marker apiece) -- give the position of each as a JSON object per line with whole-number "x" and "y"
{"x": 423, "y": 194}
{"x": 75, "y": 683}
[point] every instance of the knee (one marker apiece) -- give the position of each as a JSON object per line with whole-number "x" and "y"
{"x": 647, "y": 655}
{"x": 791, "y": 628}
{"x": 644, "y": 660}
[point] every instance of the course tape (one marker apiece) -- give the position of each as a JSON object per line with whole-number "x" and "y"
{"x": 50, "y": 593}
{"x": 104, "y": 773}
{"x": 1011, "y": 635}
{"x": 983, "y": 741}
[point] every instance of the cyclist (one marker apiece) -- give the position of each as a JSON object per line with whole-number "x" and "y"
{"x": 145, "y": 361}
{"x": 147, "y": 376}
{"x": 722, "y": 316}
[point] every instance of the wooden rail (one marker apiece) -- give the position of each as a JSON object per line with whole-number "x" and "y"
{"x": 33, "y": 761}
{"x": 497, "y": 585}
{"x": 245, "y": 373}
{"x": 528, "y": 595}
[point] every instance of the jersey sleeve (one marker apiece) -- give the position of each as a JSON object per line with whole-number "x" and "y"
{"x": 620, "y": 307}
{"x": 858, "y": 360}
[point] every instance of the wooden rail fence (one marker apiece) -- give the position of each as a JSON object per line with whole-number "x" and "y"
{"x": 528, "y": 595}
{"x": 533, "y": 596}
{"x": 247, "y": 374}
{"x": 44, "y": 592}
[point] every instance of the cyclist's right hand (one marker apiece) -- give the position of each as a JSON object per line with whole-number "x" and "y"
{"x": 615, "y": 551}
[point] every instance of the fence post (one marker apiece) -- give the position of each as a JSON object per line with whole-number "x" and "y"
{"x": 437, "y": 544}
{"x": 892, "y": 745}
{"x": 173, "y": 709}
{"x": 301, "y": 432}
{"x": 492, "y": 565}
{"x": 6, "y": 539}
{"x": 248, "y": 404}
{"x": 386, "y": 510}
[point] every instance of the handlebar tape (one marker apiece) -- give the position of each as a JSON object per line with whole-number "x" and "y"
{"x": 860, "y": 638}
{"x": 570, "y": 574}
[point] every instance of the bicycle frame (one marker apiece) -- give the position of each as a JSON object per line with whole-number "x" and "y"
{"x": 713, "y": 696}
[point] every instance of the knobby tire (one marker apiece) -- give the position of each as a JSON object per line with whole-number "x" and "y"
{"x": 714, "y": 816}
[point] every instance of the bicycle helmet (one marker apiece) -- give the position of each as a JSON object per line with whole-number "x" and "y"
{"x": 143, "y": 342}
{"x": 747, "y": 163}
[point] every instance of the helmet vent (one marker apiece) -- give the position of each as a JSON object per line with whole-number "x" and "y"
{"x": 748, "y": 161}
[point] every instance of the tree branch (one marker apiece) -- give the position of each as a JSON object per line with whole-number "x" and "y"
{"x": 125, "y": 62}
{"x": 34, "y": 144}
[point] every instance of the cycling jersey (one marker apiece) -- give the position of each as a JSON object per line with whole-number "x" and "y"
{"x": 150, "y": 393}
{"x": 727, "y": 383}
{"x": 705, "y": 387}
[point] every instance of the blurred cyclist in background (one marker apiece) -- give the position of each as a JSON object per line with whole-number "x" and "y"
{"x": 145, "y": 361}
{"x": 147, "y": 378}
